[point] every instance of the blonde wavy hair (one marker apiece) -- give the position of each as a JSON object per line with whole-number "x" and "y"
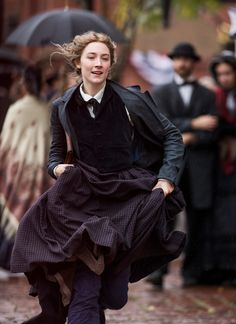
{"x": 72, "y": 51}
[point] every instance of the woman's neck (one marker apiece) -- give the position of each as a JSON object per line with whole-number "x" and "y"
{"x": 92, "y": 90}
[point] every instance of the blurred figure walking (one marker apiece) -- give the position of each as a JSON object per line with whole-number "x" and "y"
{"x": 223, "y": 69}
{"x": 191, "y": 107}
{"x": 24, "y": 149}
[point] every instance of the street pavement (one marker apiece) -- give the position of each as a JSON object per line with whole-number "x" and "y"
{"x": 147, "y": 305}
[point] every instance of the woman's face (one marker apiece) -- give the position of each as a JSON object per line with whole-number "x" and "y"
{"x": 226, "y": 76}
{"x": 95, "y": 64}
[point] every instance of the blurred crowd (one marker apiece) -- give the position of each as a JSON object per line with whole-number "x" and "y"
{"x": 205, "y": 113}
{"x": 203, "y": 110}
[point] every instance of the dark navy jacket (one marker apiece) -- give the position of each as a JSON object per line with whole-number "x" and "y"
{"x": 158, "y": 143}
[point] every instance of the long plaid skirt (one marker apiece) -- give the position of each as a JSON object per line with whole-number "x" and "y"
{"x": 103, "y": 219}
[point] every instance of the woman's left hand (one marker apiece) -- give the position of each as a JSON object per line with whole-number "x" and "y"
{"x": 165, "y": 185}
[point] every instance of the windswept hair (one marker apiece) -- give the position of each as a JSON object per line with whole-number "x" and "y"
{"x": 72, "y": 51}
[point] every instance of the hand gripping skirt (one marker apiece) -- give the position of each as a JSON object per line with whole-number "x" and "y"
{"x": 104, "y": 219}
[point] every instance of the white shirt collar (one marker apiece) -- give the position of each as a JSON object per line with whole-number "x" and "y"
{"x": 98, "y": 96}
{"x": 179, "y": 80}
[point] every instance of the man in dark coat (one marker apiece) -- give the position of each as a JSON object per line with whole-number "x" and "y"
{"x": 191, "y": 108}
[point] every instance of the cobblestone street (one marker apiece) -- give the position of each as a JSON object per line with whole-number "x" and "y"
{"x": 174, "y": 305}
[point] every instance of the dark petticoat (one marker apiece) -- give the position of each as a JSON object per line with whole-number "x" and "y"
{"x": 118, "y": 212}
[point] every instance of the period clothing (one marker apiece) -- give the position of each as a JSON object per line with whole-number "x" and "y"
{"x": 224, "y": 223}
{"x": 223, "y": 266}
{"x": 148, "y": 144}
{"x": 24, "y": 147}
{"x": 181, "y": 102}
{"x": 103, "y": 211}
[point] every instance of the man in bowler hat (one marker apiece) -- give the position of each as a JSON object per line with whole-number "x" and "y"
{"x": 191, "y": 107}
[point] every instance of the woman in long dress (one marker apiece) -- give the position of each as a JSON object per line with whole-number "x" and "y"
{"x": 223, "y": 228}
{"x": 105, "y": 222}
{"x": 24, "y": 149}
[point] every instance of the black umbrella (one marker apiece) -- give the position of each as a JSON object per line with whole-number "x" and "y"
{"x": 60, "y": 26}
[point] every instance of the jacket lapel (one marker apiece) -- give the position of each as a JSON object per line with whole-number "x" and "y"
{"x": 194, "y": 95}
{"x": 176, "y": 98}
{"x": 130, "y": 96}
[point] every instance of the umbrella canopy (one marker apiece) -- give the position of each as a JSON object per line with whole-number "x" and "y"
{"x": 60, "y": 26}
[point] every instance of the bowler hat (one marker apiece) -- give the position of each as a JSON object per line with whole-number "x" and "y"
{"x": 186, "y": 50}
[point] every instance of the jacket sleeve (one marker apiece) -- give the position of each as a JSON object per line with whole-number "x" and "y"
{"x": 173, "y": 151}
{"x": 58, "y": 147}
{"x": 173, "y": 147}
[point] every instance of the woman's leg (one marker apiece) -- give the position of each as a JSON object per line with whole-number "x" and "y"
{"x": 53, "y": 311}
{"x": 114, "y": 291}
{"x": 84, "y": 306}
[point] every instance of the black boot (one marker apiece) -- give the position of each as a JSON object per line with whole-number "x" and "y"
{"x": 156, "y": 278}
{"x": 53, "y": 311}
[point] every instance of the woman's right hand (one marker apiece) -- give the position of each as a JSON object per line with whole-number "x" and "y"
{"x": 60, "y": 168}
